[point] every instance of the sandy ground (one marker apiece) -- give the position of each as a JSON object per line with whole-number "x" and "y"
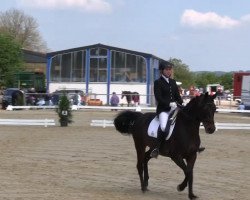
{"x": 81, "y": 162}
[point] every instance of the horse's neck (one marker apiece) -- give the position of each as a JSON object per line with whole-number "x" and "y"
{"x": 187, "y": 134}
{"x": 190, "y": 120}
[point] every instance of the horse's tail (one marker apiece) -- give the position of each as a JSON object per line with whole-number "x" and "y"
{"x": 125, "y": 121}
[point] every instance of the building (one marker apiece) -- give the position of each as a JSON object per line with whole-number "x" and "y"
{"x": 100, "y": 70}
{"x": 34, "y": 61}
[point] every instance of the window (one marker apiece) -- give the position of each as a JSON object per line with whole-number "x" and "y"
{"x": 118, "y": 66}
{"x": 127, "y": 67}
{"x": 98, "y": 65}
{"x": 66, "y": 67}
{"x": 55, "y": 70}
{"x": 98, "y": 69}
{"x": 102, "y": 70}
{"x": 98, "y": 52}
{"x": 93, "y": 69}
{"x": 131, "y": 72}
{"x": 78, "y": 69}
{"x": 94, "y": 52}
{"x": 141, "y": 69}
{"x": 103, "y": 52}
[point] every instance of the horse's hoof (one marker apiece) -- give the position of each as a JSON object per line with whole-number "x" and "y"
{"x": 192, "y": 196}
{"x": 145, "y": 189}
{"x": 180, "y": 188}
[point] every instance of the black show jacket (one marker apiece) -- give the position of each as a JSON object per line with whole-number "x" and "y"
{"x": 165, "y": 93}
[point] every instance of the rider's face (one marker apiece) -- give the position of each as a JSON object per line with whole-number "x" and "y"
{"x": 167, "y": 72}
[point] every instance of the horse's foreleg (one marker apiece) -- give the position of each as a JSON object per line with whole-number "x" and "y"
{"x": 190, "y": 166}
{"x": 180, "y": 162}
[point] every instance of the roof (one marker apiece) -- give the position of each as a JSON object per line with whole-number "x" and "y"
{"x": 33, "y": 56}
{"x": 147, "y": 55}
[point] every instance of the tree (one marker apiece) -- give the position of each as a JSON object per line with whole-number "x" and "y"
{"x": 205, "y": 78}
{"x": 182, "y": 73}
{"x": 227, "y": 80}
{"x": 10, "y": 59}
{"x": 23, "y": 28}
{"x": 199, "y": 79}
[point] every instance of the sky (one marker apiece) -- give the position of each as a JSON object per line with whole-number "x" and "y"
{"x": 206, "y": 35}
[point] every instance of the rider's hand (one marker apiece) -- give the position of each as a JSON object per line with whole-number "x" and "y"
{"x": 173, "y": 105}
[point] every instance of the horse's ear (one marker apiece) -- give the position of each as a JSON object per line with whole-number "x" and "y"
{"x": 206, "y": 94}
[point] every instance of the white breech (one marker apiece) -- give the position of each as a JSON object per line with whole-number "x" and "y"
{"x": 163, "y": 118}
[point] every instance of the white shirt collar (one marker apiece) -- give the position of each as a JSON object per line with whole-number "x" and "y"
{"x": 167, "y": 79}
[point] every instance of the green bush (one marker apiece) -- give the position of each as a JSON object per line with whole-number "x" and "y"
{"x": 64, "y": 110}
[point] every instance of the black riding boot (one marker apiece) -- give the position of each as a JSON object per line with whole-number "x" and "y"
{"x": 161, "y": 136}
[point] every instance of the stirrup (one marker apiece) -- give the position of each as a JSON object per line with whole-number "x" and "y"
{"x": 154, "y": 153}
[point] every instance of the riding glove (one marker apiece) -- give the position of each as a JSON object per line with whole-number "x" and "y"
{"x": 173, "y": 105}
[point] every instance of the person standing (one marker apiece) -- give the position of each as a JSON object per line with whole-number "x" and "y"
{"x": 167, "y": 96}
{"x": 114, "y": 100}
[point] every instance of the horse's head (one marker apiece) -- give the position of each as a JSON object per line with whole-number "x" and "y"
{"x": 203, "y": 108}
{"x": 207, "y": 110}
{"x": 123, "y": 93}
{"x": 126, "y": 94}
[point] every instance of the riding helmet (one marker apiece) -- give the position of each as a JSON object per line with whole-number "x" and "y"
{"x": 165, "y": 64}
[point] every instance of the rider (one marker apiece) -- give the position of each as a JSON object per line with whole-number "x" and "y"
{"x": 167, "y": 96}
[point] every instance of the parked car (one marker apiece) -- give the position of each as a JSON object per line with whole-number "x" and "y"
{"x": 13, "y": 96}
{"x": 53, "y": 98}
{"x": 71, "y": 93}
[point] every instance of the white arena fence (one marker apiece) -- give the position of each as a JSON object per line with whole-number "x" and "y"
{"x": 219, "y": 126}
{"x": 103, "y": 123}
{"x": 28, "y": 122}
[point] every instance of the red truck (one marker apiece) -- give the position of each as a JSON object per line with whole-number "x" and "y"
{"x": 238, "y": 83}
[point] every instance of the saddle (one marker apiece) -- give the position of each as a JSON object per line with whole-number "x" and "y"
{"x": 154, "y": 127}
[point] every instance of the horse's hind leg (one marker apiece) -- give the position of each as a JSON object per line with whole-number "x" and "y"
{"x": 141, "y": 167}
{"x": 145, "y": 164}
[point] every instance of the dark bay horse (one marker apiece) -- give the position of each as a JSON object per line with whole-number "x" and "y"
{"x": 131, "y": 96}
{"x": 183, "y": 145}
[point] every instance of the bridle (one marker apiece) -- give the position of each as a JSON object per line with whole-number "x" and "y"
{"x": 193, "y": 117}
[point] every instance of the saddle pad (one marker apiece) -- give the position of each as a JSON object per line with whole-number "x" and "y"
{"x": 153, "y": 128}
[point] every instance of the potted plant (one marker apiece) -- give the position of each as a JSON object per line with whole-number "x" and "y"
{"x": 64, "y": 110}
